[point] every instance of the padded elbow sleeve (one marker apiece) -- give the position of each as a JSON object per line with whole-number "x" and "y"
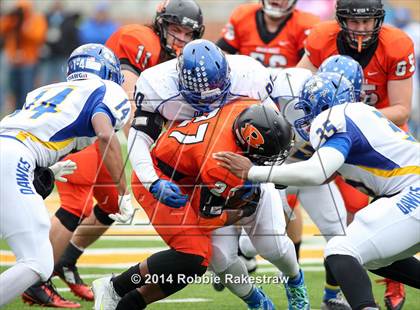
{"x": 149, "y": 123}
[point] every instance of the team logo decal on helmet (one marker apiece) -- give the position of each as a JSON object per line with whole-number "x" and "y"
{"x": 263, "y": 134}
{"x": 252, "y": 136}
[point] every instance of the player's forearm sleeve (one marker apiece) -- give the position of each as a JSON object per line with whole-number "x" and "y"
{"x": 314, "y": 171}
{"x": 138, "y": 151}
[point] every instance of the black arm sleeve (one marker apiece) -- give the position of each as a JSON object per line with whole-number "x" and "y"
{"x": 149, "y": 123}
{"x": 126, "y": 65}
{"x": 226, "y": 46}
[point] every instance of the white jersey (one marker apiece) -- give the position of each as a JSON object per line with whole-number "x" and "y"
{"x": 157, "y": 89}
{"x": 287, "y": 85}
{"x": 383, "y": 160}
{"x": 56, "y": 119}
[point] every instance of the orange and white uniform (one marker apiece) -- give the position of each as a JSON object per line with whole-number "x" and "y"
{"x": 183, "y": 154}
{"x": 391, "y": 58}
{"x": 246, "y": 34}
{"x": 138, "y": 48}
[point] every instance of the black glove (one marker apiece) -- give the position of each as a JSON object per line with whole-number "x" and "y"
{"x": 43, "y": 181}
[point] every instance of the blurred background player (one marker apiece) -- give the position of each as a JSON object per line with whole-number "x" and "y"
{"x": 138, "y": 47}
{"x": 271, "y": 31}
{"x": 387, "y": 57}
{"x": 90, "y": 104}
{"x": 23, "y": 31}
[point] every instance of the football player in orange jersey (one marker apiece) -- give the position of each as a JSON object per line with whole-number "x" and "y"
{"x": 216, "y": 198}
{"x": 138, "y": 47}
{"x": 387, "y": 57}
{"x": 272, "y": 32}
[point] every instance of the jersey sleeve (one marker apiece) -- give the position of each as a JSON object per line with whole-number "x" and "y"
{"x": 314, "y": 45}
{"x": 133, "y": 47}
{"x": 306, "y": 23}
{"x": 249, "y": 77}
{"x": 144, "y": 93}
{"x": 262, "y": 83}
{"x": 326, "y": 125}
{"x": 156, "y": 85}
{"x": 230, "y": 30}
{"x": 401, "y": 58}
{"x": 117, "y": 102}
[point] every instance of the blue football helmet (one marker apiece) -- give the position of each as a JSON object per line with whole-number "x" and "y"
{"x": 348, "y": 67}
{"x": 204, "y": 75}
{"x": 319, "y": 93}
{"x": 94, "y": 59}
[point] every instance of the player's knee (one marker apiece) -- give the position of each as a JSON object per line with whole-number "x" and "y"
{"x": 222, "y": 258}
{"x": 246, "y": 246}
{"x": 40, "y": 260}
{"x": 340, "y": 245}
{"x": 179, "y": 273}
{"x": 270, "y": 242}
{"x": 69, "y": 220}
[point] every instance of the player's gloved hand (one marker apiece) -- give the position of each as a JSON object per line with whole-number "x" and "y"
{"x": 168, "y": 193}
{"x": 63, "y": 168}
{"x": 126, "y": 210}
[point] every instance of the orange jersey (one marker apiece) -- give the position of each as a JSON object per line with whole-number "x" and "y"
{"x": 246, "y": 34}
{"x": 136, "y": 45}
{"x": 185, "y": 151}
{"x": 393, "y": 58}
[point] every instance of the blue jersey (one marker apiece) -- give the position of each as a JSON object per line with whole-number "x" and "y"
{"x": 57, "y": 119}
{"x": 381, "y": 159}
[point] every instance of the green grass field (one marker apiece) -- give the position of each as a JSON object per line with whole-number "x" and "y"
{"x": 201, "y": 296}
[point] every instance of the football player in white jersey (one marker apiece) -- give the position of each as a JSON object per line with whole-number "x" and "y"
{"x": 324, "y": 204}
{"x": 355, "y": 140}
{"x": 201, "y": 80}
{"x": 55, "y": 120}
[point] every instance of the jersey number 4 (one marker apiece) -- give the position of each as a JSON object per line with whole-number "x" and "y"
{"x": 41, "y": 105}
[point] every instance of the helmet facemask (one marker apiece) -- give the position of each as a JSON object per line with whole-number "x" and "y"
{"x": 360, "y": 39}
{"x": 274, "y": 11}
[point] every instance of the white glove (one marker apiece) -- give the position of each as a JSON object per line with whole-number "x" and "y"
{"x": 63, "y": 168}
{"x": 126, "y": 210}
